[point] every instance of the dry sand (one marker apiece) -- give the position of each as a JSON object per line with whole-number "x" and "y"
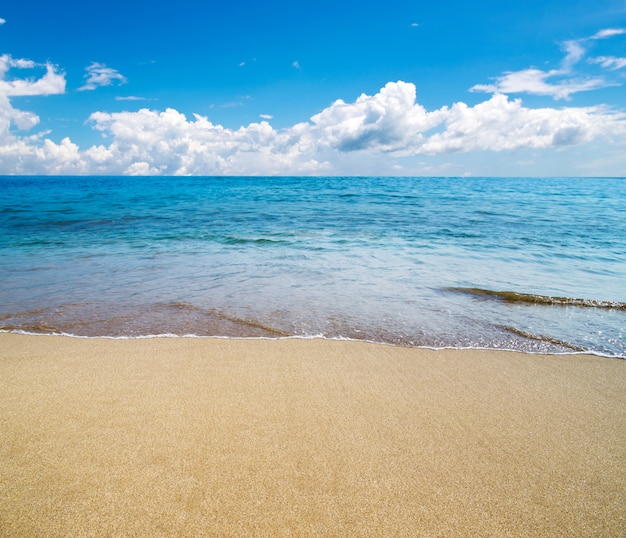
{"x": 217, "y": 437}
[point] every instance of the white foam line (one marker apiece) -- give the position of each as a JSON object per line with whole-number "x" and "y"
{"x": 319, "y": 337}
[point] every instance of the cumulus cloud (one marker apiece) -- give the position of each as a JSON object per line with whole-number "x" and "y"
{"x": 51, "y": 83}
{"x": 391, "y": 122}
{"x": 9, "y": 116}
{"x": 500, "y": 124}
{"x": 100, "y": 75}
{"x": 558, "y": 83}
{"x": 168, "y": 143}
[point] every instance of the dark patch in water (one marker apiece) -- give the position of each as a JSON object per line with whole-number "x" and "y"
{"x": 38, "y": 329}
{"x": 513, "y": 297}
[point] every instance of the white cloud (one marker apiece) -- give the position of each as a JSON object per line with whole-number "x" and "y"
{"x": 387, "y": 121}
{"x": 609, "y": 62}
{"x": 100, "y": 75}
{"x": 377, "y": 128}
{"x": 391, "y": 121}
{"x": 129, "y": 98}
{"x": 11, "y": 116}
{"x": 499, "y": 125}
{"x": 575, "y": 51}
{"x": 608, "y": 32}
{"x": 168, "y": 143}
{"x": 558, "y": 83}
{"x": 536, "y": 82}
{"x": 51, "y": 83}
{"x": 7, "y": 62}
{"x": 296, "y": 65}
{"x": 266, "y": 116}
{"x": 2, "y": 21}
{"x": 231, "y": 104}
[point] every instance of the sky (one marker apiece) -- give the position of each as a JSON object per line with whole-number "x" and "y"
{"x": 405, "y": 88}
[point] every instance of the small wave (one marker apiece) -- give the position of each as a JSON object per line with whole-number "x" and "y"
{"x": 184, "y": 306}
{"x": 541, "y": 338}
{"x": 231, "y": 240}
{"x": 529, "y": 298}
{"x": 255, "y": 325}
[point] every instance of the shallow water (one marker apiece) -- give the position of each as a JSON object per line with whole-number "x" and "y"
{"x": 385, "y": 259}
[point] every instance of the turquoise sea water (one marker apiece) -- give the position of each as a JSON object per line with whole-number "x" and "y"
{"x": 410, "y": 261}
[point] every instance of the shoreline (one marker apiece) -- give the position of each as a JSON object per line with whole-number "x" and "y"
{"x": 570, "y": 351}
{"x": 306, "y": 436}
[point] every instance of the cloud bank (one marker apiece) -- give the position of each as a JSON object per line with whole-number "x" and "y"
{"x": 389, "y": 123}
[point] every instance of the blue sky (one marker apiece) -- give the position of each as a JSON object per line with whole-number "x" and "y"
{"x": 402, "y": 88}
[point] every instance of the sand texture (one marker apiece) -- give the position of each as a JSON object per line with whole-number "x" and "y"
{"x": 219, "y": 437}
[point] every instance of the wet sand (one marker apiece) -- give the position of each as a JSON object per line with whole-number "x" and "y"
{"x": 225, "y": 437}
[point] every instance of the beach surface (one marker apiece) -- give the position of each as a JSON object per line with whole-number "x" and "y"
{"x": 295, "y": 437}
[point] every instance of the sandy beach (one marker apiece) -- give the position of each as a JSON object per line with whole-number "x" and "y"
{"x": 225, "y": 437}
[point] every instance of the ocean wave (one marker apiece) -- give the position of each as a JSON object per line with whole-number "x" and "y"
{"x": 514, "y": 297}
{"x": 234, "y": 240}
{"x": 542, "y": 338}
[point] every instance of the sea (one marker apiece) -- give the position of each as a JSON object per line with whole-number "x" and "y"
{"x": 529, "y": 264}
